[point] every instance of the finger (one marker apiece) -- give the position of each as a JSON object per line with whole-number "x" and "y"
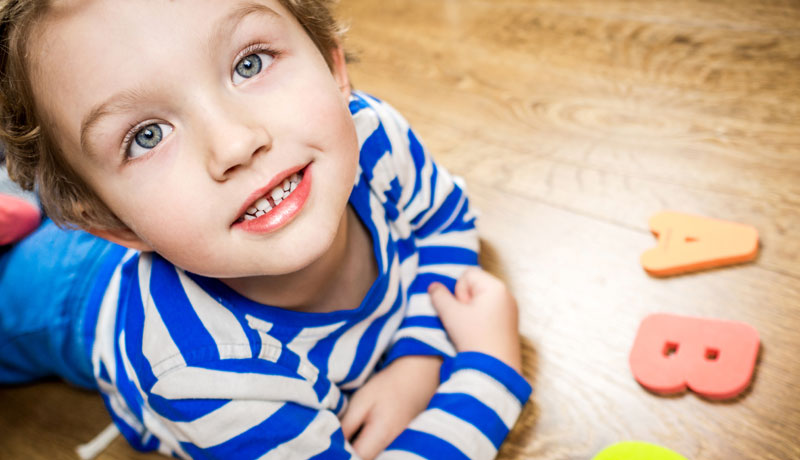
{"x": 372, "y": 440}
{"x": 444, "y": 302}
{"x": 354, "y": 418}
{"x": 463, "y": 291}
{"x": 480, "y": 281}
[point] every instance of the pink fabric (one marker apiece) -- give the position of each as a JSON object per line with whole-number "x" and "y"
{"x": 17, "y": 218}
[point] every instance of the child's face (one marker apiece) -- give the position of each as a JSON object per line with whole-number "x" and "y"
{"x": 182, "y": 114}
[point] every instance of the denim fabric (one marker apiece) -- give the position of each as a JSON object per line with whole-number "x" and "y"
{"x": 45, "y": 283}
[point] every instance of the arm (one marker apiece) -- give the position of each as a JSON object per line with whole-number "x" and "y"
{"x": 435, "y": 227}
{"x": 446, "y": 239}
{"x": 482, "y": 393}
{"x": 214, "y": 413}
{"x": 229, "y": 415}
{"x": 471, "y": 413}
{"x": 380, "y": 410}
{"x": 434, "y": 223}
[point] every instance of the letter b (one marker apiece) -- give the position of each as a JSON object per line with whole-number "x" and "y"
{"x": 714, "y": 358}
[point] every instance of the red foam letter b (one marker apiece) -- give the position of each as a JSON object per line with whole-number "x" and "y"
{"x": 714, "y": 358}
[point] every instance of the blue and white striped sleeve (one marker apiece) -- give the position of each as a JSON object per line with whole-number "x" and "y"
{"x": 250, "y": 429}
{"x": 443, "y": 235}
{"x": 474, "y": 409}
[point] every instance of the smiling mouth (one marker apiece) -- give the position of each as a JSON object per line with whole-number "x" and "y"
{"x": 272, "y": 198}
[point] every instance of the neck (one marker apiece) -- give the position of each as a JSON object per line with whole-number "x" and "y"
{"x": 338, "y": 280}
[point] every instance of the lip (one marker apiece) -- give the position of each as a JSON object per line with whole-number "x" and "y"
{"x": 285, "y": 211}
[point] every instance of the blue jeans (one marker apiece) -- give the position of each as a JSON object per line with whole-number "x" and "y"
{"x": 51, "y": 284}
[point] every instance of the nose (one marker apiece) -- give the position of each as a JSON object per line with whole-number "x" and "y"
{"x": 234, "y": 137}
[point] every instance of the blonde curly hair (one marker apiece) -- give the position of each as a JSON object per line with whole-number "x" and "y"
{"x": 33, "y": 157}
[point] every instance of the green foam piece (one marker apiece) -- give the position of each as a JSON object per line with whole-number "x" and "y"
{"x": 637, "y": 450}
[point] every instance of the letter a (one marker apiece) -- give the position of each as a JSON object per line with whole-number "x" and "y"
{"x": 688, "y": 243}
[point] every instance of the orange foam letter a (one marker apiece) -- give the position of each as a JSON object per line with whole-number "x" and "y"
{"x": 688, "y": 243}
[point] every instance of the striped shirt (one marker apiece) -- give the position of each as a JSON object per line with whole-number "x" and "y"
{"x": 191, "y": 368}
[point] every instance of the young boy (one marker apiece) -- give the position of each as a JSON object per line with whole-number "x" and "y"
{"x": 282, "y": 243}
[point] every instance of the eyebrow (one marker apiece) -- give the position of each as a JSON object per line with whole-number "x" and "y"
{"x": 226, "y": 26}
{"x": 124, "y": 100}
{"x": 119, "y": 102}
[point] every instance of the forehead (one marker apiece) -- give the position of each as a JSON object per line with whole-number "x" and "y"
{"x": 104, "y": 24}
{"x": 109, "y": 29}
{"x": 77, "y": 45}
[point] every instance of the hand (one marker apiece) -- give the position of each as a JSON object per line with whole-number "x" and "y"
{"x": 387, "y": 403}
{"x": 482, "y": 316}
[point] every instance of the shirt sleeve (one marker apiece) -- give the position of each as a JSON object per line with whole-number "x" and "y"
{"x": 474, "y": 409}
{"x": 440, "y": 233}
{"x": 238, "y": 416}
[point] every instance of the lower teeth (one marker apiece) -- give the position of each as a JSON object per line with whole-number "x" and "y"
{"x": 271, "y": 201}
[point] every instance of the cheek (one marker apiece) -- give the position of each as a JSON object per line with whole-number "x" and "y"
{"x": 161, "y": 212}
{"x": 345, "y": 148}
{"x": 340, "y": 131}
{"x": 184, "y": 241}
{"x": 334, "y": 132}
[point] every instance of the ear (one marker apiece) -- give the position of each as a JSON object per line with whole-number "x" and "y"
{"x": 123, "y": 237}
{"x": 340, "y": 71}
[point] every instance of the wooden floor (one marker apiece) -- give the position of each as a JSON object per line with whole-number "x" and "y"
{"x": 572, "y": 122}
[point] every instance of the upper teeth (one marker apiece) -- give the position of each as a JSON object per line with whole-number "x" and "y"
{"x": 273, "y": 198}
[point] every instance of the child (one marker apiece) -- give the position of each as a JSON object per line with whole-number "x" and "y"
{"x": 282, "y": 243}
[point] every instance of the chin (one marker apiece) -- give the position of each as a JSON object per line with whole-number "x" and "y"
{"x": 304, "y": 250}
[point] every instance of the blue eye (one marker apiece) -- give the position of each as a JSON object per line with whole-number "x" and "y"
{"x": 250, "y": 66}
{"x": 147, "y": 138}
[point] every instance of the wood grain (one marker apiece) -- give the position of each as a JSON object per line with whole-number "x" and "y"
{"x": 574, "y": 121}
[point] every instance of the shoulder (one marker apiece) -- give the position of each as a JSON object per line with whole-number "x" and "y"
{"x": 172, "y": 327}
{"x": 379, "y": 126}
{"x": 388, "y": 146}
{"x": 159, "y": 326}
